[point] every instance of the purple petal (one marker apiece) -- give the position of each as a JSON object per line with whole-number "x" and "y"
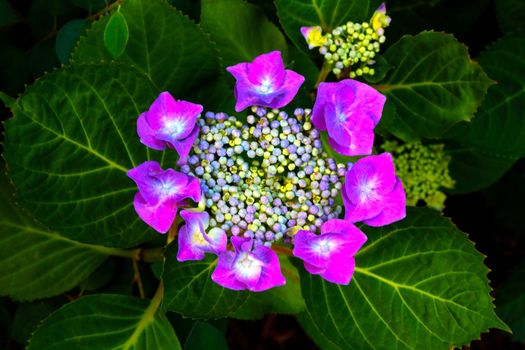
{"x": 271, "y": 275}
{"x": 394, "y": 209}
{"x": 305, "y": 31}
{"x": 361, "y": 142}
{"x": 145, "y": 176}
{"x": 367, "y": 187}
{"x": 224, "y": 274}
{"x": 325, "y": 95}
{"x": 147, "y": 134}
{"x": 193, "y": 239}
{"x": 355, "y": 237}
{"x": 264, "y": 82}
{"x": 183, "y": 147}
{"x": 267, "y": 69}
{"x": 371, "y": 101}
{"x": 159, "y": 216}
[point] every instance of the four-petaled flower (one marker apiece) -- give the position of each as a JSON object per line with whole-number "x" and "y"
{"x": 330, "y": 254}
{"x": 160, "y": 194}
{"x": 372, "y": 193}
{"x": 170, "y": 123}
{"x": 380, "y": 19}
{"x": 349, "y": 110}
{"x": 314, "y": 36}
{"x": 256, "y": 269}
{"x": 264, "y": 82}
{"x": 194, "y": 241}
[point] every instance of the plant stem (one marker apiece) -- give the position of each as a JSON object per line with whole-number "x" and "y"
{"x": 325, "y": 70}
{"x": 152, "y": 255}
{"x": 282, "y": 250}
{"x": 137, "y": 279}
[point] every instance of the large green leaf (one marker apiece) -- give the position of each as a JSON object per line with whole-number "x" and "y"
{"x": 36, "y": 263}
{"x": 418, "y": 284}
{"x": 499, "y": 126}
{"x": 116, "y": 34}
{"x": 203, "y": 336}
{"x": 167, "y": 46}
{"x": 240, "y": 30}
{"x": 68, "y": 148}
{"x": 106, "y": 322}
{"x": 294, "y": 14}
{"x": 434, "y": 85}
{"x": 190, "y": 291}
{"x": 473, "y": 170}
{"x": 511, "y": 15}
{"x": 283, "y": 300}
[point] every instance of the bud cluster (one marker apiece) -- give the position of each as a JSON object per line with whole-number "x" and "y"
{"x": 424, "y": 171}
{"x": 267, "y": 178}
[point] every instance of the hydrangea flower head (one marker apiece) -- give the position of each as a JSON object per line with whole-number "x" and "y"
{"x": 330, "y": 254}
{"x": 253, "y": 268}
{"x": 194, "y": 241}
{"x": 349, "y": 110}
{"x": 314, "y": 36}
{"x": 161, "y": 192}
{"x": 373, "y": 193}
{"x": 266, "y": 179}
{"x": 170, "y": 123}
{"x": 264, "y": 82}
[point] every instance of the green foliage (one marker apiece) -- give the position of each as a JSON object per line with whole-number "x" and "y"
{"x": 116, "y": 34}
{"x": 328, "y": 14}
{"x": 240, "y": 30}
{"x": 418, "y": 284}
{"x": 67, "y": 37}
{"x": 433, "y": 86}
{"x": 204, "y": 336}
{"x": 190, "y": 291}
{"x": 110, "y": 322}
{"x": 165, "y": 45}
{"x": 499, "y": 126}
{"x": 7, "y": 14}
{"x": 45, "y": 264}
{"x": 511, "y": 15}
{"x": 71, "y": 172}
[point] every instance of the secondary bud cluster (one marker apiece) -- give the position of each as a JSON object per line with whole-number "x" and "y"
{"x": 265, "y": 178}
{"x": 424, "y": 171}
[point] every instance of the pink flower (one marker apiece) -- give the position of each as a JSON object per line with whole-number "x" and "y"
{"x": 256, "y": 269}
{"x": 330, "y": 254}
{"x": 170, "y": 123}
{"x": 372, "y": 193}
{"x": 194, "y": 241}
{"x": 264, "y": 82}
{"x": 349, "y": 110}
{"x": 160, "y": 193}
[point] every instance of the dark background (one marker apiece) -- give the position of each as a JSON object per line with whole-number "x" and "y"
{"x": 493, "y": 217}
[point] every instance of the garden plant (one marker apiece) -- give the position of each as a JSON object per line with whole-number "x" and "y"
{"x": 174, "y": 172}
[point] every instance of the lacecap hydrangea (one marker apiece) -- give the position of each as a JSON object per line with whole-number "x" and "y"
{"x": 244, "y": 186}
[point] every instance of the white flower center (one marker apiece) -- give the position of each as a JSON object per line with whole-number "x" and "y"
{"x": 367, "y": 189}
{"x": 266, "y": 86}
{"x": 247, "y": 266}
{"x": 167, "y": 189}
{"x": 174, "y": 127}
{"x": 324, "y": 247}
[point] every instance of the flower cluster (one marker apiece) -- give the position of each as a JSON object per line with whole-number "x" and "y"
{"x": 349, "y": 50}
{"x": 266, "y": 180}
{"x": 424, "y": 170}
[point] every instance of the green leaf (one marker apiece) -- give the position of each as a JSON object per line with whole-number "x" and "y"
{"x": 116, "y": 34}
{"x": 511, "y": 15}
{"x": 511, "y": 302}
{"x": 106, "y": 322}
{"x": 29, "y": 315}
{"x": 7, "y": 14}
{"x": 294, "y": 14}
{"x": 204, "y": 336}
{"x": 473, "y": 170}
{"x": 190, "y": 291}
{"x": 418, "y": 284}
{"x": 164, "y": 44}
{"x": 282, "y": 300}
{"x": 36, "y": 263}
{"x": 67, "y": 37}
{"x": 69, "y": 145}
{"x": 499, "y": 126}
{"x": 91, "y": 5}
{"x": 7, "y": 100}
{"x": 434, "y": 85}
{"x": 240, "y": 30}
